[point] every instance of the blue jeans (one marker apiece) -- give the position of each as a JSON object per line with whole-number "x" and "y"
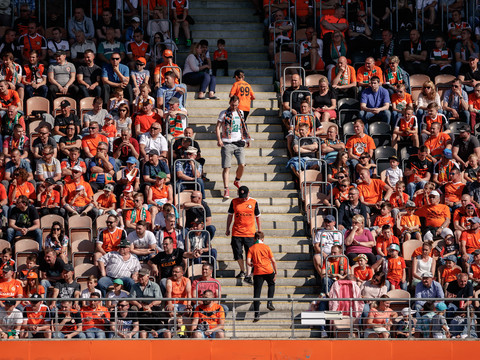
{"x": 201, "y": 78}
{"x": 463, "y": 114}
{"x": 60, "y": 335}
{"x": 94, "y": 333}
{"x": 325, "y": 284}
{"x": 36, "y": 234}
{"x": 46, "y": 284}
{"x": 368, "y": 117}
{"x": 412, "y": 187}
{"x": 42, "y": 91}
{"x": 106, "y": 281}
{"x": 87, "y": 93}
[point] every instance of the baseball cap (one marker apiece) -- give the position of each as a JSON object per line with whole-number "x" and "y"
{"x": 141, "y": 60}
{"x": 473, "y": 56}
{"x": 447, "y": 153}
{"x": 243, "y": 192}
{"x": 446, "y": 232}
{"x": 441, "y": 306}
{"x": 406, "y": 311}
{"x": 452, "y": 258}
{"x": 32, "y": 275}
{"x": 144, "y": 272}
{"x": 60, "y": 52}
{"x": 475, "y": 220}
{"x": 153, "y": 152}
{"x": 49, "y": 181}
{"x": 161, "y": 175}
{"x": 77, "y": 168}
{"x": 131, "y": 160}
{"x": 435, "y": 193}
{"x": 476, "y": 252}
{"x": 464, "y": 128}
{"x": 124, "y": 243}
{"x": 394, "y": 157}
{"x": 35, "y": 298}
{"x": 329, "y": 218}
{"x": 118, "y": 281}
{"x": 68, "y": 267}
{"x": 410, "y": 204}
{"x": 128, "y": 188}
{"x": 10, "y": 302}
{"x": 108, "y": 187}
{"x": 135, "y": 19}
{"x": 8, "y": 268}
{"x": 394, "y": 247}
{"x": 361, "y": 256}
{"x": 191, "y": 149}
{"x": 174, "y": 100}
{"x": 65, "y": 103}
{"x": 80, "y": 188}
{"x": 238, "y": 73}
{"x": 168, "y": 53}
{"x": 427, "y": 274}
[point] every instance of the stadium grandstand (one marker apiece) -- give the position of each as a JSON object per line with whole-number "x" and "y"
{"x": 162, "y": 160}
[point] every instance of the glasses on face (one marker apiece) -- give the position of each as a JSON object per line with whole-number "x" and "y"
{"x": 137, "y": 201}
{"x": 49, "y": 153}
{"x": 155, "y": 128}
{"x": 343, "y": 185}
{"x": 71, "y": 128}
{"x": 427, "y": 87}
{"x": 102, "y": 149}
{"x": 123, "y": 110}
{"x": 115, "y": 59}
{"x": 455, "y": 86}
{"x": 92, "y": 128}
{"x": 122, "y": 305}
{"x": 56, "y": 229}
{"x": 44, "y": 133}
{"x": 364, "y": 157}
{"x": 431, "y": 196}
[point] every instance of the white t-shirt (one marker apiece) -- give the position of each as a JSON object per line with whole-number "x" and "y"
{"x": 85, "y": 294}
{"x": 394, "y": 175}
{"x": 328, "y": 239}
{"x": 10, "y": 321}
{"x": 160, "y": 143}
{"x": 236, "y": 130}
{"x": 142, "y": 243}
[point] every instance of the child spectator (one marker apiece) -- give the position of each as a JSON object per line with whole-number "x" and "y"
{"x": 405, "y": 323}
{"x": 32, "y": 286}
{"x": 431, "y": 117}
{"x": 449, "y": 271}
{"x": 393, "y": 174}
{"x": 109, "y": 129}
{"x": 400, "y": 100}
{"x": 58, "y": 241}
{"x": 116, "y": 293}
{"x": 439, "y": 327}
{"x": 406, "y": 127}
{"x": 362, "y": 271}
{"x": 48, "y": 198}
{"x": 30, "y": 266}
{"x": 399, "y": 199}
{"x": 385, "y": 240}
{"x": 139, "y": 76}
{"x": 470, "y": 174}
{"x": 396, "y": 274}
{"x": 142, "y": 97}
{"x": 7, "y": 255}
{"x": 106, "y": 202}
{"x": 220, "y": 57}
{"x": 244, "y": 91}
{"x": 410, "y": 223}
{"x": 474, "y": 269}
{"x": 130, "y": 175}
{"x": 92, "y": 282}
{"x": 116, "y": 100}
{"x": 385, "y": 218}
{"x": 442, "y": 169}
{"x": 126, "y": 199}
{"x": 340, "y": 192}
{"x": 451, "y": 248}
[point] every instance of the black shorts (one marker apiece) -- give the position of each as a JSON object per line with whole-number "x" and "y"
{"x": 239, "y": 243}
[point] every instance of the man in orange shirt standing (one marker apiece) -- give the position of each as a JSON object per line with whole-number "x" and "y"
{"x": 261, "y": 258}
{"x": 244, "y": 91}
{"x": 246, "y": 213}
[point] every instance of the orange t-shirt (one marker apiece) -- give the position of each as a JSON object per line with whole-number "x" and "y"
{"x": 383, "y": 244}
{"x": 435, "y": 215}
{"x": 96, "y": 317}
{"x": 140, "y": 214}
{"x": 345, "y": 79}
{"x": 410, "y": 221}
{"x": 179, "y": 290}
{"x": 471, "y": 239}
{"x": 126, "y": 203}
{"x": 473, "y": 100}
{"x": 360, "y": 145}
{"x": 383, "y": 220}
{"x": 69, "y": 191}
{"x": 26, "y": 189}
{"x": 364, "y": 76}
{"x": 398, "y": 200}
{"x": 454, "y": 191}
{"x": 244, "y": 213}
{"x": 475, "y": 270}
{"x": 164, "y": 70}
{"x": 52, "y": 199}
{"x": 145, "y": 121}
{"x": 439, "y": 118}
{"x": 244, "y": 92}
{"x": 37, "y": 318}
{"x": 159, "y": 193}
{"x": 395, "y": 269}
{"x": 436, "y": 145}
{"x": 211, "y": 314}
{"x": 332, "y": 19}
{"x": 363, "y": 275}
{"x": 372, "y": 193}
{"x": 261, "y": 256}
{"x": 111, "y": 240}
{"x": 106, "y": 202}
{"x": 11, "y": 289}
{"x": 110, "y": 130}
{"x": 450, "y": 274}
{"x": 11, "y": 98}
{"x": 92, "y": 143}
{"x": 401, "y": 102}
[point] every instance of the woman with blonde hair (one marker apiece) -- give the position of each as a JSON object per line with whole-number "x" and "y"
{"x": 428, "y": 95}
{"x": 197, "y": 72}
{"x": 324, "y": 102}
{"x": 359, "y": 240}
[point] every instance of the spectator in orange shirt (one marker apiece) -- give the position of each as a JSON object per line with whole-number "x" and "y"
{"x": 8, "y": 97}
{"x": 244, "y": 91}
{"x": 385, "y": 240}
{"x": 94, "y": 318}
{"x": 161, "y": 70}
{"x": 400, "y": 100}
{"x": 470, "y": 240}
{"x": 20, "y": 186}
{"x": 453, "y": 190}
{"x": 438, "y": 141}
{"x": 361, "y": 270}
{"x": 78, "y": 195}
{"x": 399, "y": 199}
{"x": 358, "y": 144}
{"x": 220, "y": 58}
{"x": 331, "y": 23}
{"x": 371, "y": 190}
{"x": 396, "y": 273}
{"x": 410, "y": 223}
{"x": 344, "y": 79}
{"x": 474, "y": 105}
{"x": 367, "y": 71}
{"x": 91, "y": 141}
{"x": 337, "y": 268}
{"x": 437, "y": 216}
{"x": 385, "y": 218}
{"x": 449, "y": 271}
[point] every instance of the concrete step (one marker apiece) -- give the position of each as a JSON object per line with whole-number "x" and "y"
{"x": 214, "y": 107}
{"x": 258, "y": 186}
{"x": 291, "y": 225}
{"x": 232, "y": 271}
{"x": 271, "y": 103}
{"x": 233, "y": 26}
{"x": 262, "y": 201}
{"x": 254, "y": 135}
{"x": 276, "y": 248}
{"x": 252, "y": 158}
{"x": 241, "y": 18}
{"x": 252, "y": 128}
{"x": 279, "y": 257}
{"x": 288, "y": 193}
{"x": 283, "y": 265}
{"x": 253, "y": 168}
{"x": 227, "y": 86}
{"x": 262, "y": 95}
{"x": 279, "y": 290}
{"x": 251, "y": 176}
{"x": 242, "y": 40}
{"x": 284, "y": 232}
{"x": 201, "y": 119}
{"x": 273, "y": 210}
{"x": 272, "y": 240}
{"x": 227, "y": 35}
{"x": 264, "y": 144}
{"x": 235, "y": 63}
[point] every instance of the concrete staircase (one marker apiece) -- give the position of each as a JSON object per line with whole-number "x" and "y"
{"x": 266, "y": 176}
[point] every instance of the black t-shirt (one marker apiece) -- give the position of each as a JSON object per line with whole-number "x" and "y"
{"x": 90, "y": 74}
{"x": 65, "y": 140}
{"x": 197, "y": 213}
{"x": 37, "y": 143}
{"x": 462, "y": 293}
{"x": 422, "y": 167}
{"x": 72, "y": 324}
{"x": 415, "y": 49}
{"x": 103, "y": 27}
{"x": 469, "y": 74}
{"x": 325, "y": 100}
{"x": 297, "y": 97}
{"x": 67, "y": 290}
{"x": 52, "y": 272}
{"x": 125, "y": 324}
{"x": 347, "y": 211}
{"x": 466, "y": 148}
{"x": 179, "y": 150}
{"x": 62, "y": 122}
{"x": 166, "y": 262}
{"x": 24, "y": 219}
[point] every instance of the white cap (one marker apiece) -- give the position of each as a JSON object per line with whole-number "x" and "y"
{"x": 446, "y": 232}
{"x": 435, "y": 193}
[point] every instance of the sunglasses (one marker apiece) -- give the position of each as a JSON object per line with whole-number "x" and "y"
{"x": 93, "y": 127}
{"x": 56, "y": 229}
{"x": 49, "y": 153}
{"x": 115, "y": 59}
{"x": 109, "y": 222}
{"x": 123, "y": 110}
{"x": 155, "y": 128}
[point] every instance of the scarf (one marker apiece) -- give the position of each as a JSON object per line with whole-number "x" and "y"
{"x": 227, "y": 129}
{"x": 397, "y": 75}
{"x": 8, "y": 124}
{"x": 143, "y": 215}
{"x": 335, "y": 54}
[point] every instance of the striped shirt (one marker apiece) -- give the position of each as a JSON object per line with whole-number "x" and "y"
{"x": 116, "y": 267}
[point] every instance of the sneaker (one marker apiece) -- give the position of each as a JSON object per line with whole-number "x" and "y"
{"x": 240, "y": 275}
{"x": 237, "y": 183}
{"x": 256, "y": 318}
{"x": 270, "y": 306}
{"x": 323, "y": 334}
{"x": 176, "y": 41}
{"x": 189, "y": 42}
{"x": 248, "y": 279}
{"x": 226, "y": 194}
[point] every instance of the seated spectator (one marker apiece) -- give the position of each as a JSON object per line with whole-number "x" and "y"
{"x": 10, "y": 287}
{"x": 359, "y": 240}
{"x": 69, "y": 143}
{"x": 443, "y": 167}
{"x": 367, "y": 71}
{"x": 40, "y": 143}
{"x": 474, "y": 106}
{"x": 188, "y": 171}
{"x": 438, "y": 141}
{"x": 433, "y": 115}
{"x": 80, "y": 46}
{"x": 90, "y": 142}
{"x": 359, "y": 144}
{"x": 415, "y": 54}
{"x": 464, "y": 146}
{"x": 165, "y": 67}
{"x": 375, "y": 103}
{"x": 406, "y": 127}
{"x": 109, "y": 238}
{"x": 125, "y": 324}
{"x": 16, "y": 162}
{"x": 61, "y": 76}
{"x": 460, "y": 289}
{"x": 78, "y": 195}
{"x": 427, "y": 288}
{"x": 324, "y": 102}
{"x": 137, "y": 213}
{"x": 178, "y": 287}
{"x": 32, "y": 40}
{"x": 395, "y": 76}
{"x": 21, "y": 186}
{"x": 371, "y": 190}
{"x": 437, "y": 216}
{"x": 208, "y": 319}
{"x": 11, "y": 319}
{"x": 67, "y": 287}
{"x": 153, "y": 167}
{"x": 194, "y": 73}
{"x": 324, "y": 241}
{"x": 95, "y": 317}
{"x": 65, "y": 118}
{"x": 69, "y": 322}
{"x": 334, "y": 50}
{"x": 200, "y": 242}
{"x": 140, "y": 77}
{"x": 463, "y": 50}
{"x": 419, "y": 170}
{"x": 311, "y": 51}
{"x": 400, "y": 100}
{"x": 441, "y": 59}
{"x": 146, "y": 119}
{"x": 56, "y": 43}
{"x": 427, "y": 96}
{"x": 292, "y": 109}
{"x": 343, "y": 79}
{"x": 37, "y": 319}
{"x": 11, "y": 118}
{"x": 448, "y": 272}
{"x": 88, "y": 76}
{"x": 168, "y": 90}
{"x": 337, "y": 269}
{"x": 58, "y": 241}
{"x": 331, "y": 146}
{"x": 80, "y": 22}
{"x": 365, "y": 162}
{"x": 175, "y": 119}
{"x": 73, "y": 160}
{"x": 50, "y": 268}
{"x": 143, "y": 243}
{"x": 470, "y": 75}
{"x": 12, "y": 73}
{"x": 470, "y": 240}
{"x": 455, "y": 103}
{"x": 453, "y": 189}
{"x": 380, "y": 319}
{"x": 101, "y": 168}
{"x": 125, "y": 147}
{"x": 110, "y": 44}
{"x": 8, "y": 97}
{"x": 332, "y": 22}
{"x": 17, "y": 141}
{"x": 159, "y": 193}
{"x": 137, "y": 48}
{"x": 23, "y": 220}
{"x": 386, "y": 50}
{"x": 48, "y": 199}
{"x": 116, "y": 75}
{"x": 107, "y": 22}
{"x": 9, "y": 44}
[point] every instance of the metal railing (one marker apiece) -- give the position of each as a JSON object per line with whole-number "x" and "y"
{"x": 293, "y": 318}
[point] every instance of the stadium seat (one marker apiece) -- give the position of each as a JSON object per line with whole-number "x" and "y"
{"x": 58, "y": 101}
{"x": 443, "y": 83}
{"x": 347, "y": 131}
{"x": 80, "y": 228}
{"x": 86, "y": 104}
{"x": 381, "y": 133}
{"x": 284, "y": 59}
{"x": 83, "y": 271}
{"x": 37, "y": 103}
{"x": 408, "y": 247}
{"x": 4, "y": 244}
{"x": 347, "y": 109}
{"x": 82, "y": 252}
{"x": 47, "y": 221}
{"x": 24, "y": 248}
{"x": 416, "y": 85}
{"x": 398, "y": 305}
{"x": 456, "y": 126}
{"x": 384, "y": 152}
{"x": 312, "y": 82}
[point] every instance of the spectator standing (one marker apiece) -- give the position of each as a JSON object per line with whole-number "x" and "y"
{"x": 244, "y": 91}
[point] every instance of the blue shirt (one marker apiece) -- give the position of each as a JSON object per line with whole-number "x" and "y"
{"x": 169, "y": 93}
{"x": 24, "y": 164}
{"x": 453, "y": 100}
{"x": 375, "y": 99}
{"x": 186, "y": 168}
{"x": 434, "y": 291}
{"x": 101, "y": 177}
{"x": 152, "y": 171}
{"x": 107, "y": 72}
